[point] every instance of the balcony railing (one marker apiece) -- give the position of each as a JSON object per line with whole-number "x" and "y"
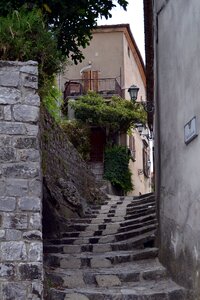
{"x": 107, "y": 87}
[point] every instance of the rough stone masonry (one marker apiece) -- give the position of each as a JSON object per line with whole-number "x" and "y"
{"x": 21, "y": 266}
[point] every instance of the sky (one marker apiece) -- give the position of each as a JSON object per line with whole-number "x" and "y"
{"x": 133, "y": 16}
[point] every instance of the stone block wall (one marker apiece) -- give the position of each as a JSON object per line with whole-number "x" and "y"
{"x": 21, "y": 268}
{"x": 69, "y": 184}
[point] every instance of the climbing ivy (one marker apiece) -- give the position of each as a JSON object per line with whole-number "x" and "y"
{"x": 116, "y": 168}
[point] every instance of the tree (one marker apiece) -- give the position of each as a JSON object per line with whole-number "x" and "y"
{"x": 72, "y": 21}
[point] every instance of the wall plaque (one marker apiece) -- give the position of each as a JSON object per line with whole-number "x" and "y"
{"x": 190, "y": 130}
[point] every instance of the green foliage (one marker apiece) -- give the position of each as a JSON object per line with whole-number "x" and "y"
{"x": 116, "y": 114}
{"x": 71, "y": 21}
{"x": 116, "y": 168}
{"x": 24, "y": 36}
{"x": 79, "y": 135}
{"x": 52, "y": 99}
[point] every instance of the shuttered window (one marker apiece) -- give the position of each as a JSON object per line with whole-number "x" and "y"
{"x": 132, "y": 147}
{"x": 145, "y": 162}
{"x": 90, "y": 81}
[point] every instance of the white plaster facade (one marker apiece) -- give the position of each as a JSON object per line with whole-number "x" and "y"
{"x": 177, "y": 74}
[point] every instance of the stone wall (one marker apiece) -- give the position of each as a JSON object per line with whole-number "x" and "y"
{"x": 21, "y": 266}
{"x": 69, "y": 185}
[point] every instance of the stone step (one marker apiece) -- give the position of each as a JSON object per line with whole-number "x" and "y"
{"x": 83, "y": 226}
{"x": 71, "y": 227}
{"x": 139, "y": 199}
{"x": 136, "y": 271}
{"x": 137, "y": 225}
{"x": 100, "y": 219}
{"x": 143, "y": 205}
{"x": 143, "y": 196}
{"x": 121, "y": 211}
{"x": 163, "y": 289}
{"x": 111, "y": 227}
{"x": 129, "y": 205}
{"x": 138, "y": 241}
{"x": 136, "y": 220}
{"x": 112, "y": 208}
{"x": 110, "y": 237}
{"x": 126, "y": 210}
{"x": 97, "y": 260}
{"x": 142, "y": 212}
{"x": 127, "y": 200}
{"x": 118, "y": 210}
{"x": 109, "y": 255}
{"x": 135, "y": 232}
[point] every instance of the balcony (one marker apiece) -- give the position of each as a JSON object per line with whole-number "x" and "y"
{"x": 107, "y": 87}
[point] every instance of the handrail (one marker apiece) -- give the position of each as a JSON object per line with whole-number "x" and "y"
{"x": 104, "y": 86}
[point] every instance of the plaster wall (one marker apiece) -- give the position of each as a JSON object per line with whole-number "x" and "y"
{"x": 177, "y": 89}
{"x": 160, "y": 3}
{"x": 132, "y": 74}
{"x": 106, "y": 48}
{"x": 140, "y": 181}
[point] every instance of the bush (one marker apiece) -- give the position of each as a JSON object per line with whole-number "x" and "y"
{"x": 24, "y": 36}
{"x": 116, "y": 168}
{"x": 79, "y": 135}
{"x": 52, "y": 99}
{"x": 115, "y": 113}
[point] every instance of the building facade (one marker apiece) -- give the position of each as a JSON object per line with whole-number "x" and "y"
{"x": 177, "y": 116}
{"x": 112, "y": 64}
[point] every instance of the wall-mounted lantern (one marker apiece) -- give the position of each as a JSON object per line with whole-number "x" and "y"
{"x": 133, "y": 92}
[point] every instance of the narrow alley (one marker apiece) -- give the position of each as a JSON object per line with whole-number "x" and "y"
{"x": 110, "y": 254}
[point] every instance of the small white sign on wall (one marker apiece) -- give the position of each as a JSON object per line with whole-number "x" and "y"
{"x": 190, "y": 130}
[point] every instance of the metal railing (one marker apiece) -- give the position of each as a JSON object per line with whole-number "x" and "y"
{"x": 107, "y": 87}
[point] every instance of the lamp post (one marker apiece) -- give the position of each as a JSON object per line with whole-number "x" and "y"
{"x": 133, "y": 92}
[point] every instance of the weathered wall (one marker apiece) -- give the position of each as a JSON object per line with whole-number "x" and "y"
{"x": 69, "y": 184}
{"x": 131, "y": 72}
{"x": 178, "y": 69}
{"x": 140, "y": 181}
{"x": 20, "y": 183}
{"x": 101, "y": 43}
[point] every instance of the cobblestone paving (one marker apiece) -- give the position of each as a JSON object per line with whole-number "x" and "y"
{"x": 110, "y": 255}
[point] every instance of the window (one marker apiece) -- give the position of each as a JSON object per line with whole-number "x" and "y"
{"x": 132, "y": 147}
{"x": 145, "y": 162}
{"x": 128, "y": 49}
{"x": 90, "y": 81}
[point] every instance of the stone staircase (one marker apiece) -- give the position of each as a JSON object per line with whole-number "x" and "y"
{"x": 110, "y": 255}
